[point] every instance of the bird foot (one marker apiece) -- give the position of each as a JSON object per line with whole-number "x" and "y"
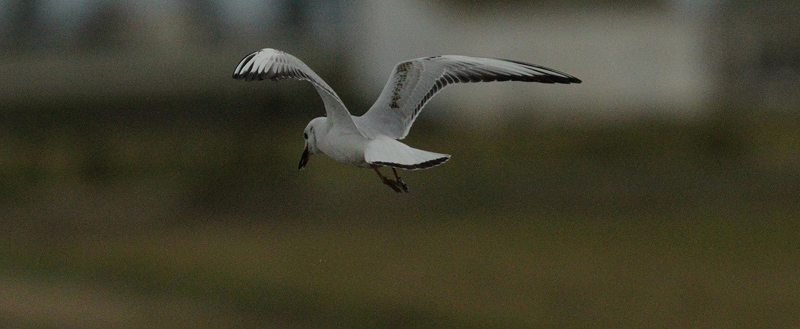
{"x": 397, "y": 185}
{"x": 402, "y": 184}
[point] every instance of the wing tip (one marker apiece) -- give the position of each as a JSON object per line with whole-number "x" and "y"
{"x": 244, "y": 71}
{"x": 547, "y": 75}
{"x": 565, "y": 79}
{"x": 241, "y": 71}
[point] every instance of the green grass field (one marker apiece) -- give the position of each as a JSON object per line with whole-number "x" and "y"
{"x": 205, "y": 223}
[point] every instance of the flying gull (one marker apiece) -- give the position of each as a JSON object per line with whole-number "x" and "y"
{"x": 371, "y": 140}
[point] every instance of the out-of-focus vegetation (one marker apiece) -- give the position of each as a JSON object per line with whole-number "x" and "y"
{"x": 195, "y": 216}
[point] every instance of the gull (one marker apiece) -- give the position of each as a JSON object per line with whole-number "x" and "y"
{"x": 372, "y": 139}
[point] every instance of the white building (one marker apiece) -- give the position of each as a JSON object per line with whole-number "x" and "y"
{"x": 631, "y": 60}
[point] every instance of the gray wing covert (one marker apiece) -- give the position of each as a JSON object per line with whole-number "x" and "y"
{"x": 413, "y": 83}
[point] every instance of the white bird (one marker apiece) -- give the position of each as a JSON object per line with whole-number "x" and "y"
{"x": 371, "y": 140}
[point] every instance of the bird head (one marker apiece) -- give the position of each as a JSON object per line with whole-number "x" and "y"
{"x": 309, "y": 134}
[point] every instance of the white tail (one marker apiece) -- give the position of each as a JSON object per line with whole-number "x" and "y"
{"x": 391, "y": 153}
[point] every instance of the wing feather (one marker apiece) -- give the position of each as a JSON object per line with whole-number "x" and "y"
{"x": 276, "y": 65}
{"x": 413, "y": 83}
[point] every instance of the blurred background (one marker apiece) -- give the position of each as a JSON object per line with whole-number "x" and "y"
{"x": 142, "y": 187}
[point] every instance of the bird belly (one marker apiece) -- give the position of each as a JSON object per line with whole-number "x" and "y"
{"x": 347, "y": 149}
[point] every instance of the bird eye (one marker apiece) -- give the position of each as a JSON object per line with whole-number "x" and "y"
{"x": 305, "y": 135}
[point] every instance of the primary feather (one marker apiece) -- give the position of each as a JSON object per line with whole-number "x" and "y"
{"x": 276, "y": 65}
{"x": 413, "y": 83}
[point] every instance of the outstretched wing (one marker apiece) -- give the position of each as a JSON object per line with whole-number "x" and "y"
{"x": 276, "y": 65}
{"x": 413, "y": 83}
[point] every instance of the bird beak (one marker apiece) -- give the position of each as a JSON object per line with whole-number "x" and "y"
{"x": 304, "y": 158}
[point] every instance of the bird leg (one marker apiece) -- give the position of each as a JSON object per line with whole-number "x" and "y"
{"x": 400, "y": 180}
{"x": 397, "y": 187}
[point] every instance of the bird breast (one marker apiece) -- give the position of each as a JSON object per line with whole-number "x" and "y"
{"x": 345, "y": 147}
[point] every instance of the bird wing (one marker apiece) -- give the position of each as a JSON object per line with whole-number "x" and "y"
{"x": 276, "y": 65}
{"x": 413, "y": 83}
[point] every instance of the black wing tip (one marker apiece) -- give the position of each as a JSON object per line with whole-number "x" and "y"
{"x": 240, "y": 76}
{"x": 421, "y": 165}
{"x": 566, "y": 79}
{"x": 240, "y": 73}
{"x": 247, "y": 76}
{"x": 546, "y": 77}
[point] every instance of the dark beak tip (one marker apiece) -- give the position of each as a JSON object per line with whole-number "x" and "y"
{"x": 304, "y": 159}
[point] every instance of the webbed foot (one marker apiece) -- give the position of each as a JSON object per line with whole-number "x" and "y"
{"x": 398, "y": 185}
{"x": 394, "y": 185}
